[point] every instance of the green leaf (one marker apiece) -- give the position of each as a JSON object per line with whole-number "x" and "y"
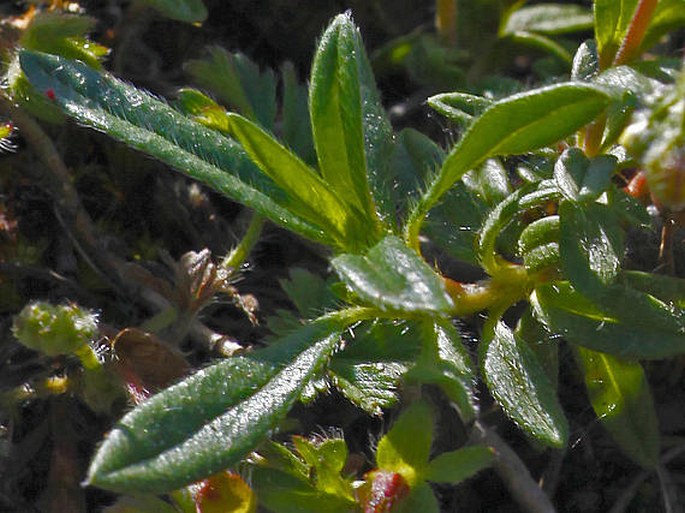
{"x": 406, "y": 447}
{"x": 489, "y": 182}
{"x": 543, "y": 43}
{"x": 612, "y": 18}
{"x": 668, "y": 16}
{"x": 351, "y": 133}
{"x": 635, "y": 325}
{"x": 376, "y": 356}
{"x": 212, "y": 419}
{"x": 521, "y": 123}
{"x": 65, "y": 35}
{"x": 237, "y": 82}
{"x": 188, "y": 11}
{"x": 285, "y": 493}
{"x": 296, "y": 124}
{"x": 519, "y": 384}
{"x": 456, "y": 466}
{"x": 548, "y": 19}
{"x": 393, "y": 277}
{"x": 585, "y": 62}
{"x": 415, "y": 157}
{"x": 543, "y": 343}
{"x": 453, "y": 225}
{"x": 313, "y": 198}
{"x": 444, "y": 362}
{"x": 106, "y": 104}
{"x": 202, "y": 108}
{"x": 327, "y": 460}
{"x": 666, "y": 288}
{"x": 590, "y": 247}
{"x": 460, "y": 108}
{"x": 420, "y": 499}
{"x": 620, "y": 395}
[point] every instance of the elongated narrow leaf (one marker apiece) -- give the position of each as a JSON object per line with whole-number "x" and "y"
{"x": 314, "y": 198}
{"x": 393, "y": 277}
{"x": 212, "y": 419}
{"x": 622, "y": 400}
{"x": 635, "y": 325}
{"x": 522, "y": 123}
{"x": 455, "y": 466}
{"x": 612, "y": 18}
{"x": 189, "y": 11}
{"x": 296, "y": 124}
{"x": 459, "y": 107}
{"x": 519, "y": 384}
{"x": 100, "y": 101}
{"x": 351, "y": 132}
{"x": 548, "y": 19}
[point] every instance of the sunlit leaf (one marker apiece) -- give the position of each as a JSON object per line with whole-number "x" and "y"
{"x": 548, "y": 19}
{"x": 212, "y": 419}
{"x": 104, "y": 103}
{"x": 620, "y": 395}
{"x": 393, "y": 277}
{"x": 519, "y": 384}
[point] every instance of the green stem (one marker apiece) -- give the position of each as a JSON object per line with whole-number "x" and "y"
{"x": 630, "y": 47}
{"x": 239, "y": 254}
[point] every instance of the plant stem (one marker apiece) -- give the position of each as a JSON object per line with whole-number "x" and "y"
{"x": 446, "y": 21}
{"x": 630, "y": 47}
{"x": 239, "y": 254}
{"x": 513, "y": 472}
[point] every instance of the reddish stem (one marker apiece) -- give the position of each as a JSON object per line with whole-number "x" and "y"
{"x": 636, "y": 32}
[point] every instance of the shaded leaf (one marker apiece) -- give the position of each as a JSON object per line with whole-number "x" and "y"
{"x": 622, "y": 400}
{"x": 636, "y": 325}
{"x": 445, "y": 363}
{"x": 519, "y": 384}
{"x": 456, "y": 466}
{"x": 296, "y": 125}
{"x": 590, "y": 246}
{"x": 460, "y": 108}
{"x": 212, "y": 419}
{"x": 238, "y": 82}
{"x": 393, "y": 277}
{"x": 189, "y": 11}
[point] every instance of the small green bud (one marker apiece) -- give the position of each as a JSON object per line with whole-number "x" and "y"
{"x": 55, "y": 329}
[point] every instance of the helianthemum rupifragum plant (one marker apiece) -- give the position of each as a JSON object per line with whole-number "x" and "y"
{"x": 534, "y": 178}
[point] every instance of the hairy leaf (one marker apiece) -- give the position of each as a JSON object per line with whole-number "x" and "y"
{"x": 393, "y": 277}
{"x": 212, "y": 419}
{"x": 521, "y": 123}
{"x": 519, "y": 384}
{"x": 102, "y": 102}
{"x": 351, "y": 133}
{"x": 314, "y": 199}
